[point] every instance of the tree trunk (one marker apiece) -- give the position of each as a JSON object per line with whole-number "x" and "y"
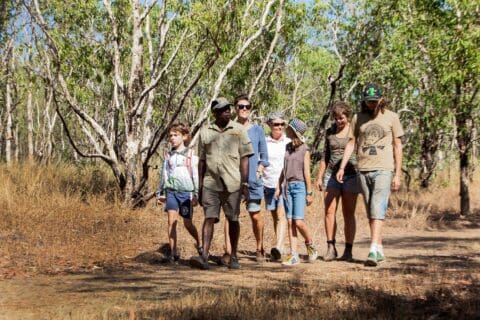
{"x": 30, "y": 122}
{"x": 9, "y": 124}
{"x": 464, "y": 184}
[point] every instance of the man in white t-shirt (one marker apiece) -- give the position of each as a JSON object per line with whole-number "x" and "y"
{"x": 276, "y": 142}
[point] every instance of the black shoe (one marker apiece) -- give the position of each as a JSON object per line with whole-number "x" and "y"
{"x": 276, "y": 254}
{"x": 234, "y": 263}
{"x": 199, "y": 262}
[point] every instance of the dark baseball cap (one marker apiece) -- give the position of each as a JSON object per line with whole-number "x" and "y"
{"x": 372, "y": 92}
{"x": 219, "y": 103}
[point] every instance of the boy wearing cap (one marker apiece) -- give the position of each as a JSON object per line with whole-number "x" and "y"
{"x": 376, "y": 138}
{"x": 224, "y": 148}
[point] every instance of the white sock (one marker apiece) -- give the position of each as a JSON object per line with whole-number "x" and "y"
{"x": 380, "y": 249}
{"x": 373, "y": 248}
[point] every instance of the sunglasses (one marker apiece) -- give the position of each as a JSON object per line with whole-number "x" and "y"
{"x": 244, "y": 106}
{"x": 278, "y": 124}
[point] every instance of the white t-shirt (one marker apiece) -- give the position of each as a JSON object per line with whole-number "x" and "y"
{"x": 276, "y": 157}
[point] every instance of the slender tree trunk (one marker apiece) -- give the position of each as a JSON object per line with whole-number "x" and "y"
{"x": 30, "y": 122}
{"x": 9, "y": 122}
{"x": 464, "y": 184}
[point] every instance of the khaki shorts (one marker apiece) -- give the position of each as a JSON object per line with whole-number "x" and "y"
{"x": 213, "y": 201}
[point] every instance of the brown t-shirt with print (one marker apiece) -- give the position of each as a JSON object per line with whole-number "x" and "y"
{"x": 374, "y": 139}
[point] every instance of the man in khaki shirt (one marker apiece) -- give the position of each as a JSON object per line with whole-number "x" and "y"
{"x": 224, "y": 148}
{"x": 376, "y": 137}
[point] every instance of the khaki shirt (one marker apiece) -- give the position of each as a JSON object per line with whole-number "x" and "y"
{"x": 222, "y": 151}
{"x": 374, "y": 138}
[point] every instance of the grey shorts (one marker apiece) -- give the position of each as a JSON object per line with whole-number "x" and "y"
{"x": 213, "y": 201}
{"x": 376, "y": 191}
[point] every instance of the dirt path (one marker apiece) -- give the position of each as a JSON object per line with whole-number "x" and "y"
{"x": 417, "y": 261}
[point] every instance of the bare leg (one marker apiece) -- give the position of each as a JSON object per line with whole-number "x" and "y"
{"x": 192, "y": 230}
{"x": 257, "y": 224}
{"x": 208, "y": 227}
{"x": 226, "y": 231}
{"x": 280, "y": 227}
{"x": 292, "y": 235}
{"x": 303, "y": 229}
{"x": 376, "y": 230}
{"x": 349, "y": 201}
{"x": 331, "y": 200}
{"x": 172, "y": 230}
{"x": 234, "y": 230}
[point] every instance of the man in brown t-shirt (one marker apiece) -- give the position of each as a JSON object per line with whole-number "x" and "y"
{"x": 376, "y": 137}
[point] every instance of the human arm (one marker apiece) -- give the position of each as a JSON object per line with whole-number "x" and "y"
{"x": 244, "y": 177}
{"x": 160, "y": 192}
{"x": 308, "y": 179}
{"x": 321, "y": 172}
{"x": 398, "y": 157}
{"x": 323, "y": 163}
{"x": 202, "y": 168}
{"x": 349, "y": 148}
{"x": 262, "y": 153}
{"x": 278, "y": 187}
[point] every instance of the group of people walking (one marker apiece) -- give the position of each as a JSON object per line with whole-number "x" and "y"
{"x": 235, "y": 162}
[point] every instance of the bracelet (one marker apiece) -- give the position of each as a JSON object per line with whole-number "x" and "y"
{"x": 245, "y": 184}
{"x": 310, "y": 193}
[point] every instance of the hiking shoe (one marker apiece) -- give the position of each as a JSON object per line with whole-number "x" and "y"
{"x": 276, "y": 254}
{"x": 199, "y": 262}
{"x": 234, "y": 263}
{"x": 312, "y": 252}
{"x": 371, "y": 259}
{"x": 260, "y": 256}
{"x": 291, "y": 260}
{"x": 331, "y": 253}
{"x": 224, "y": 260}
{"x": 380, "y": 257}
{"x": 347, "y": 256}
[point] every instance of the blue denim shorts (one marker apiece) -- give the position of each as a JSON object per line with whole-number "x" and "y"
{"x": 253, "y": 205}
{"x": 179, "y": 201}
{"x": 296, "y": 200}
{"x": 350, "y": 183}
{"x": 376, "y": 191}
{"x": 270, "y": 202}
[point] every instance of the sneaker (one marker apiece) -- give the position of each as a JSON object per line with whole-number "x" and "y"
{"x": 371, "y": 259}
{"x": 276, "y": 254}
{"x": 199, "y": 262}
{"x": 260, "y": 256}
{"x": 290, "y": 260}
{"x": 234, "y": 263}
{"x": 331, "y": 253}
{"x": 312, "y": 252}
{"x": 380, "y": 257}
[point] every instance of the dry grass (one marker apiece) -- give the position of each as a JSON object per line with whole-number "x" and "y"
{"x": 64, "y": 219}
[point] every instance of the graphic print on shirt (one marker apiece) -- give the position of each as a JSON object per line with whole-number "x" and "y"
{"x": 373, "y": 134}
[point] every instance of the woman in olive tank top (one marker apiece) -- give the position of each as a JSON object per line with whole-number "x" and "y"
{"x": 335, "y": 141}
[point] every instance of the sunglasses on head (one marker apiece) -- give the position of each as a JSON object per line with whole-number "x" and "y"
{"x": 278, "y": 124}
{"x": 244, "y": 106}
